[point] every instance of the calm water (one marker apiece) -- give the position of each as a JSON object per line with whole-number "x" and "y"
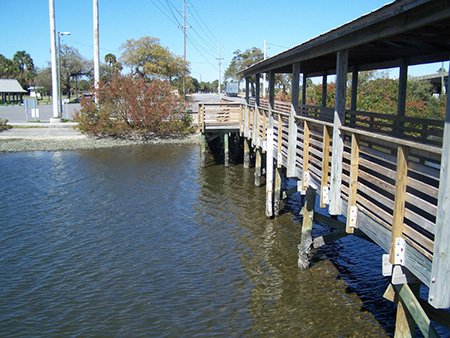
{"x": 143, "y": 242}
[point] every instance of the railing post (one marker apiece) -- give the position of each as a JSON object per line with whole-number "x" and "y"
{"x": 354, "y": 167}
{"x": 324, "y": 200}
{"x": 439, "y": 295}
{"x": 338, "y": 138}
{"x": 305, "y": 167}
{"x": 292, "y": 146}
{"x": 400, "y": 198}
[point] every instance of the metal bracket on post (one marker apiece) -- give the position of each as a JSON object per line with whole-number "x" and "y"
{"x": 306, "y": 182}
{"x": 354, "y": 216}
{"x": 326, "y": 194}
{"x": 280, "y": 158}
{"x": 400, "y": 249}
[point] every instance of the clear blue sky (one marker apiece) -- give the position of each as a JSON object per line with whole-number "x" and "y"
{"x": 236, "y": 24}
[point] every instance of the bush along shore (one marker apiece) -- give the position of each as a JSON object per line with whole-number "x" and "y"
{"x": 130, "y": 111}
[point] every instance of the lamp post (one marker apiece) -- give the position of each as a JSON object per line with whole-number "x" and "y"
{"x": 59, "y": 71}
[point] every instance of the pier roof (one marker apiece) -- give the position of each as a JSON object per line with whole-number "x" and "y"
{"x": 407, "y": 31}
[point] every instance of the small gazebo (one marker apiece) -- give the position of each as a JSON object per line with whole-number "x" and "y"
{"x": 11, "y": 91}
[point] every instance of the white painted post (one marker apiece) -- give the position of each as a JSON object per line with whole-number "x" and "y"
{"x": 292, "y": 146}
{"x": 439, "y": 295}
{"x": 96, "y": 49}
{"x": 338, "y": 139}
{"x": 55, "y": 90}
{"x": 269, "y": 148}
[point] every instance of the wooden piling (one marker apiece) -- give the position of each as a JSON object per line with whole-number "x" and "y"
{"x": 246, "y": 153}
{"x": 203, "y": 150}
{"x": 226, "y": 149}
{"x": 258, "y": 169}
{"x": 304, "y": 248}
{"x": 277, "y": 191}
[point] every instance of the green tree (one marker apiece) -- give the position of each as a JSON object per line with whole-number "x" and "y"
{"x": 44, "y": 79}
{"x": 73, "y": 66}
{"x": 148, "y": 59}
{"x": 7, "y": 68}
{"x": 24, "y": 67}
{"x": 241, "y": 61}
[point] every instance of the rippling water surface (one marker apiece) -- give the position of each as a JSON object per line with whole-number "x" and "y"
{"x": 142, "y": 241}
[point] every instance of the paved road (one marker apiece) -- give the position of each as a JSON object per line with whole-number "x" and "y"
{"x": 16, "y": 114}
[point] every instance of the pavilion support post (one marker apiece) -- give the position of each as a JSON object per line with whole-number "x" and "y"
{"x": 226, "y": 149}
{"x": 354, "y": 98}
{"x": 335, "y": 207}
{"x": 247, "y": 90}
{"x": 304, "y": 248}
{"x": 304, "y": 85}
{"x": 324, "y": 89}
{"x": 439, "y": 295}
{"x": 269, "y": 147}
{"x": 292, "y": 145}
{"x": 401, "y": 102}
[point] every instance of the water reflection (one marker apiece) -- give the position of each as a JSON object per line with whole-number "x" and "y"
{"x": 142, "y": 241}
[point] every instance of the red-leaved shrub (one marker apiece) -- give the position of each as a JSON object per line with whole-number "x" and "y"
{"x": 131, "y": 106}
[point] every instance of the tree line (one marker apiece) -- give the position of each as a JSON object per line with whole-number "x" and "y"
{"x": 376, "y": 91}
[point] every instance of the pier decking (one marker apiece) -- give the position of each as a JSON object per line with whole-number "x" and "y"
{"x": 386, "y": 174}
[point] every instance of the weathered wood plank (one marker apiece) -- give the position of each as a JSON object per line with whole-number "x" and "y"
{"x": 400, "y": 197}
{"x": 338, "y": 138}
{"x": 439, "y": 295}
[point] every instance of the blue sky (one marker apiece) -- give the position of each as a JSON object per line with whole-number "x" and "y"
{"x": 234, "y": 24}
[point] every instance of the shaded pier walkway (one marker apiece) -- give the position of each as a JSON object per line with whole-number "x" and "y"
{"x": 386, "y": 175}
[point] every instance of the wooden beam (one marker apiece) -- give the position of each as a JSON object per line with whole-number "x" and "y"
{"x": 277, "y": 191}
{"x": 354, "y": 167}
{"x": 439, "y": 295}
{"x": 338, "y": 138}
{"x": 305, "y": 165}
{"x": 292, "y": 146}
{"x": 400, "y": 198}
{"x": 329, "y": 238}
{"x": 411, "y": 303}
{"x": 258, "y": 169}
{"x": 324, "y": 200}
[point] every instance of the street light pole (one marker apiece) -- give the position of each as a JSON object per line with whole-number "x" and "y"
{"x": 59, "y": 72}
{"x": 55, "y": 93}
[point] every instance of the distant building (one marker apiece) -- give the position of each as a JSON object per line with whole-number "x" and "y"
{"x": 11, "y": 91}
{"x": 34, "y": 92}
{"x": 436, "y": 81}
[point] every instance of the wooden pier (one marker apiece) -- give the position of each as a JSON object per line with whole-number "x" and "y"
{"x": 386, "y": 174}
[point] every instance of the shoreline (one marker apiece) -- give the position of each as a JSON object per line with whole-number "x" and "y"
{"x": 65, "y": 139}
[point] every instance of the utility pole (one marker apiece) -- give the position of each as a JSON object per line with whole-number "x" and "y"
{"x": 264, "y": 74}
{"x": 220, "y": 82}
{"x": 96, "y": 49}
{"x": 55, "y": 89}
{"x": 184, "y": 28}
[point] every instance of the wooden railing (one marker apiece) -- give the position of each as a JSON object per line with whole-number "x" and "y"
{"x": 219, "y": 115}
{"x": 390, "y": 171}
